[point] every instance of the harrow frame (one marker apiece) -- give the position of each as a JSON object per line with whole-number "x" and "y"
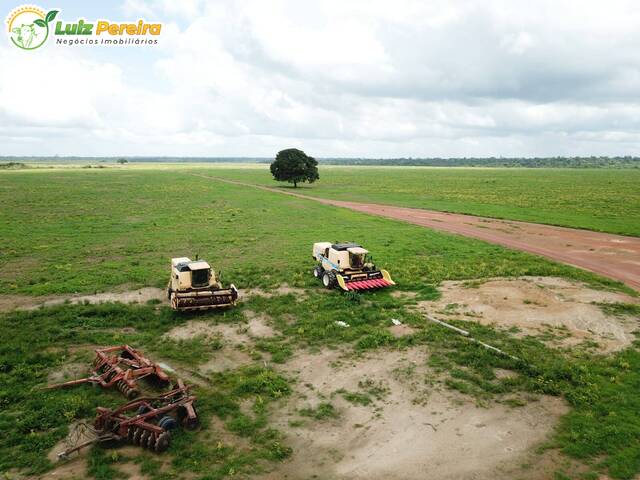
{"x": 166, "y": 410}
{"x": 120, "y": 366}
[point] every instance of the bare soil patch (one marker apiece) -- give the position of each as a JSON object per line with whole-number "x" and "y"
{"x": 537, "y": 305}
{"x": 75, "y": 467}
{"x": 25, "y": 302}
{"x": 142, "y": 295}
{"x": 237, "y": 333}
{"x": 415, "y": 431}
{"x": 237, "y": 340}
{"x": 69, "y": 371}
{"x": 225, "y": 359}
{"x": 258, "y": 325}
{"x": 283, "y": 289}
{"x": 403, "y": 294}
{"x": 401, "y": 330}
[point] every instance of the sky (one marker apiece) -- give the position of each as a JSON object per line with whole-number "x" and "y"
{"x": 353, "y": 78}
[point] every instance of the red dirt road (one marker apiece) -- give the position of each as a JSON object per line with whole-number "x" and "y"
{"x": 613, "y": 256}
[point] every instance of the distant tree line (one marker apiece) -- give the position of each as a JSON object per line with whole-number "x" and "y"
{"x": 534, "y": 162}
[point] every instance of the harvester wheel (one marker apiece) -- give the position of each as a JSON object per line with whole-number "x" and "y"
{"x": 317, "y": 272}
{"x": 329, "y": 279}
{"x": 162, "y": 442}
{"x": 169, "y": 291}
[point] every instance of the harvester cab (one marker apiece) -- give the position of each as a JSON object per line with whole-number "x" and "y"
{"x": 348, "y": 266}
{"x": 194, "y": 285}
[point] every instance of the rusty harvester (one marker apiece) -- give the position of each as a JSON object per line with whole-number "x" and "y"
{"x": 121, "y": 367}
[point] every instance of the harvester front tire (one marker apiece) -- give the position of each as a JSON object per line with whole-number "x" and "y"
{"x": 317, "y": 272}
{"x": 329, "y": 279}
{"x": 174, "y": 301}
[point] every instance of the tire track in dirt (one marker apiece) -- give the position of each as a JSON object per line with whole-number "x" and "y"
{"x": 610, "y": 255}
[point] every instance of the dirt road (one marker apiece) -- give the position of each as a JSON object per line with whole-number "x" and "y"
{"x": 614, "y": 256}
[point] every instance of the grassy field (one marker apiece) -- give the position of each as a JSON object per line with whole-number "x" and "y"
{"x": 594, "y": 199}
{"x": 83, "y": 230}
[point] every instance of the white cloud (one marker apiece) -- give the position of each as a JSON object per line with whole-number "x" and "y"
{"x": 366, "y": 78}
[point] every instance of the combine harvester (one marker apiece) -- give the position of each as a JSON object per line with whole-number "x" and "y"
{"x": 194, "y": 286}
{"x": 348, "y": 266}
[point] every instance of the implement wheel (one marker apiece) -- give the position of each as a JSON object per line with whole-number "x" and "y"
{"x": 329, "y": 279}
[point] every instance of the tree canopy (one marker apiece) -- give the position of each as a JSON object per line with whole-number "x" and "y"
{"x": 294, "y": 166}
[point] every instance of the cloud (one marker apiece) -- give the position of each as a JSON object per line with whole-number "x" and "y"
{"x": 365, "y": 78}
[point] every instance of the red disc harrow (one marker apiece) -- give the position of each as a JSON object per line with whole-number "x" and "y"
{"x": 120, "y": 367}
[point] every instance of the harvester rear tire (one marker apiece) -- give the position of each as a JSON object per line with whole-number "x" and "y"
{"x": 329, "y": 279}
{"x": 318, "y": 271}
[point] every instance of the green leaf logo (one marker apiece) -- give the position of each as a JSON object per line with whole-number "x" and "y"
{"x": 51, "y": 15}
{"x": 30, "y": 26}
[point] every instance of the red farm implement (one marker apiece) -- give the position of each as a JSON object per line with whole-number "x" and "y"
{"x": 146, "y": 422}
{"x": 120, "y": 367}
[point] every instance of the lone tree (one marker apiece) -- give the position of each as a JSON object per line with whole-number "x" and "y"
{"x": 293, "y": 166}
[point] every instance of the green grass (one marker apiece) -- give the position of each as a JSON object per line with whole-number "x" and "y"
{"x": 34, "y": 420}
{"x": 323, "y": 411}
{"x": 602, "y": 428}
{"x": 85, "y": 230}
{"x": 594, "y": 199}
{"x": 68, "y": 231}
